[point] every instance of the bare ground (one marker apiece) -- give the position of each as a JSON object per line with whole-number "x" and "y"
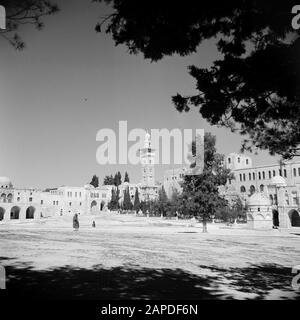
{"x": 127, "y": 257}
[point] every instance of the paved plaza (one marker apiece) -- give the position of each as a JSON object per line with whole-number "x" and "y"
{"x": 128, "y": 257}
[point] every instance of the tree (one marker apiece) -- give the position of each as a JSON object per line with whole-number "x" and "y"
{"x": 95, "y": 181}
{"x": 136, "y": 205}
{"x": 114, "y": 201}
{"x": 23, "y": 12}
{"x": 126, "y": 178}
{"x": 127, "y": 204}
{"x": 109, "y": 180}
{"x": 200, "y": 196}
{"x": 254, "y": 87}
{"x": 118, "y": 179}
{"x": 162, "y": 201}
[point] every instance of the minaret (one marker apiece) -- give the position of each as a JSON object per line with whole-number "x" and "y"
{"x": 147, "y": 156}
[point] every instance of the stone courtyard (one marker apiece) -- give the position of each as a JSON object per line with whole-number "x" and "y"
{"x": 146, "y": 258}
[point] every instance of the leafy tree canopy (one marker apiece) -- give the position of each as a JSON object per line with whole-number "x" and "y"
{"x": 20, "y": 12}
{"x": 254, "y": 89}
{"x": 95, "y": 181}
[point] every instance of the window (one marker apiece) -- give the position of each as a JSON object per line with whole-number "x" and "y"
{"x": 270, "y": 174}
{"x": 42, "y": 202}
{"x": 57, "y": 203}
{"x": 253, "y": 174}
{"x": 79, "y": 194}
{"x": 18, "y": 199}
{"x": 241, "y": 177}
{"x": 229, "y": 160}
{"x": 274, "y": 173}
{"x": 70, "y": 203}
{"x": 239, "y": 160}
{"x": 243, "y": 189}
{"x": 280, "y": 172}
{"x": 261, "y": 187}
{"x": 30, "y": 199}
{"x": 284, "y": 173}
{"x": 75, "y": 194}
{"x": 244, "y": 177}
{"x": 264, "y": 175}
{"x": 54, "y": 203}
{"x": 249, "y": 175}
{"x": 298, "y": 171}
{"x": 294, "y": 172}
{"x": 247, "y": 161}
{"x": 259, "y": 176}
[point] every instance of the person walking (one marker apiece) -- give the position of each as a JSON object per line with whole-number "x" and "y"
{"x": 75, "y": 222}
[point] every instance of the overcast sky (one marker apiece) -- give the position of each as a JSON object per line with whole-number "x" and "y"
{"x": 70, "y": 82}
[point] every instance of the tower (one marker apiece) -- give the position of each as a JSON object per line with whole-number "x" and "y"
{"x": 147, "y": 156}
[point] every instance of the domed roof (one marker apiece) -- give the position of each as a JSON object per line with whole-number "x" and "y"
{"x": 4, "y": 181}
{"x": 258, "y": 199}
{"x": 278, "y": 181}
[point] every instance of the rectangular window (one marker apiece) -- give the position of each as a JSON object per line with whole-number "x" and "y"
{"x": 270, "y": 175}
{"x": 298, "y": 171}
{"x": 253, "y": 175}
{"x": 264, "y": 175}
{"x": 240, "y": 177}
{"x": 284, "y": 173}
{"x": 259, "y": 176}
{"x": 30, "y": 199}
{"x": 244, "y": 177}
{"x": 249, "y": 176}
{"x": 42, "y": 202}
{"x": 294, "y": 172}
{"x": 274, "y": 173}
{"x": 280, "y": 173}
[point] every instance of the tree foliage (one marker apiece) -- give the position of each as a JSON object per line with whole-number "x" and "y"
{"x": 95, "y": 181}
{"x": 21, "y": 12}
{"x": 127, "y": 204}
{"x": 118, "y": 179}
{"x": 109, "y": 180}
{"x": 253, "y": 89}
{"x": 136, "y": 205}
{"x": 114, "y": 201}
{"x": 126, "y": 177}
{"x": 200, "y": 196}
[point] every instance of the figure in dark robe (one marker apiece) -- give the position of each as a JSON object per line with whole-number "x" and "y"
{"x": 75, "y": 222}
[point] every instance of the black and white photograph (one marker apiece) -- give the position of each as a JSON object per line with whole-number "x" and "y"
{"x": 149, "y": 151}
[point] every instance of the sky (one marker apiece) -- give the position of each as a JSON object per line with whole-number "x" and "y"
{"x": 70, "y": 82}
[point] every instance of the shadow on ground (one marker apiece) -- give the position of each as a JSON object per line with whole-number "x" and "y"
{"x": 143, "y": 283}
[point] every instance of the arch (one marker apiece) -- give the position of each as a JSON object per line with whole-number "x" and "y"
{"x": 3, "y": 197}
{"x": 93, "y": 203}
{"x": 15, "y": 213}
{"x": 261, "y": 188}
{"x": 252, "y": 189}
{"x": 9, "y": 198}
{"x": 2, "y": 211}
{"x": 275, "y": 218}
{"x": 260, "y": 217}
{"x": 295, "y": 218}
{"x": 243, "y": 189}
{"x": 30, "y": 212}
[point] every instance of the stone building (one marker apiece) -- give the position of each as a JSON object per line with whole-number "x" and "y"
{"x": 280, "y": 183}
